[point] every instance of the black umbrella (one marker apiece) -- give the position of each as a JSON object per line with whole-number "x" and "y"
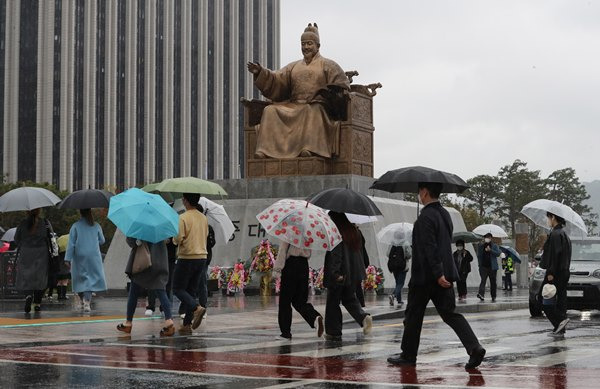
{"x": 466, "y": 236}
{"x": 87, "y": 198}
{"x": 406, "y": 180}
{"x": 344, "y": 201}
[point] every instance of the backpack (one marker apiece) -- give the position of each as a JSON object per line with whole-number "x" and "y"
{"x": 396, "y": 261}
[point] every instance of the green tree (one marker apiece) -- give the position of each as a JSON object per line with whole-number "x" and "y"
{"x": 482, "y": 194}
{"x": 518, "y": 186}
{"x": 564, "y": 186}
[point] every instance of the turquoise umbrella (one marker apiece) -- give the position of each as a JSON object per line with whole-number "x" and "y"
{"x": 143, "y": 216}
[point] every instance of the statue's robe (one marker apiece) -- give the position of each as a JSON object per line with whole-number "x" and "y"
{"x": 297, "y": 120}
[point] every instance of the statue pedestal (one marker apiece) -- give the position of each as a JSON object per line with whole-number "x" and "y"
{"x": 267, "y": 167}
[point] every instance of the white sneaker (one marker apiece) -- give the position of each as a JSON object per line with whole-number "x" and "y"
{"x": 561, "y": 327}
{"x": 86, "y": 307}
{"x": 149, "y": 312}
{"x": 367, "y": 325}
{"x": 391, "y": 300}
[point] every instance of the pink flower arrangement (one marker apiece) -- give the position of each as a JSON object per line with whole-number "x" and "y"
{"x": 318, "y": 282}
{"x": 264, "y": 259}
{"x": 217, "y": 273}
{"x": 236, "y": 280}
{"x": 374, "y": 278}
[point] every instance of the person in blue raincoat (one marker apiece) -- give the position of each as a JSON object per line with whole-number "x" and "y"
{"x": 83, "y": 253}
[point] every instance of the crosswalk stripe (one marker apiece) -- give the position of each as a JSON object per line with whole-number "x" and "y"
{"x": 344, "y": 350}
{"x": 557, "y": 358}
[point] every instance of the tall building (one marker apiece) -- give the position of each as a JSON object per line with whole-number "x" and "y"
{"x": 117, "y": 93}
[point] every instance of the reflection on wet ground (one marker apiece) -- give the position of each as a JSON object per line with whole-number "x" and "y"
{"x": 240, "y": 349}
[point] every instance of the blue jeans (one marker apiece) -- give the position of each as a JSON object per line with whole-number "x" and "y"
{"x": 400, "y": 277}
{"x": 135, "y": 291}
{"x": 186, "y": 281}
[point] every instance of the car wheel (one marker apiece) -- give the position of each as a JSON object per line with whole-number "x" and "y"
{"x": 535, "y": 309}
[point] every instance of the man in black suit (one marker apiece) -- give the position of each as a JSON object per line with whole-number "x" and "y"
{"x": 432, "y": 273}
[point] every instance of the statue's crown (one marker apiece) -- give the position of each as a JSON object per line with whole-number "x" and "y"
{"x": 311, "y": 32}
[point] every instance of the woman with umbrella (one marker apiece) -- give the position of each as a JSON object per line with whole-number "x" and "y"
{"x": 302, "y": 228}
{"x": 31, "y": 238}
{"x": 84, "y": 257}
{"x": 344, "y": 269}
{"x": 154, "y": 279}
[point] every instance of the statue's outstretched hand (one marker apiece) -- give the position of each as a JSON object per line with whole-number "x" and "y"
{"x": 254, "y": 67}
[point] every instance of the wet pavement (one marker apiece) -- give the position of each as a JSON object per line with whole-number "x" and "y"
{"x": 237, "y": 347}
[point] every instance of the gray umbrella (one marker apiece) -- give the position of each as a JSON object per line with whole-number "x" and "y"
{"x": 27, "y": 198}
{"x": 87, "y": 198}
{"x": 9, "y": 235}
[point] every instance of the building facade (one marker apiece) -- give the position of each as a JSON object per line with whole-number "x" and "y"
{"x": 118, "y": 93}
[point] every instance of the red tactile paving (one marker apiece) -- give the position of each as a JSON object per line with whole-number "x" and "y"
{"x": 295, "y": 367}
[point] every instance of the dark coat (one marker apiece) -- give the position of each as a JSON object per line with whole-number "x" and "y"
{"x": 465, "y": 265}
{"x": 431, "y": 246}
{"x": 157, "y": 276}
{"x": 556, "y": 258}
{"x": 33, "y": 259}
{"x": 494, "y": 254}
{"x": 342, "y": 261}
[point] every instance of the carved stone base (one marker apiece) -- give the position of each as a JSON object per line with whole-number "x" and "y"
{"x": 311, "y": 166}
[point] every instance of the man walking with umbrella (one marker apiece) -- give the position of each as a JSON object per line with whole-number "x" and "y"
{"x": 432, "y": 273}
{"x": 191, "y": 261}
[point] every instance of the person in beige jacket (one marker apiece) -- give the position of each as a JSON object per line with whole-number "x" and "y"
{"x": 192, "y": 262}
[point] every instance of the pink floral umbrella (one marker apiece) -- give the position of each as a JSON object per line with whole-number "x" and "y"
{"x": 300, "y": 224}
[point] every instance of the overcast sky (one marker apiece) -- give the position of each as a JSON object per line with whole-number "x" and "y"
{"x": 468, "y": 86}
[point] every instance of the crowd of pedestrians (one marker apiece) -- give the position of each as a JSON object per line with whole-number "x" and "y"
{"x": 179, "y": 266}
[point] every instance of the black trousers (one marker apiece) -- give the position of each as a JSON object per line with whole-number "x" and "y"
{"x": 360, "y": 294}
{"x": 508, "y": 281}
{"x": 557, "y": 312}
{"x": 37, "y": 295}
{"x": 185, "y": 284}
{"x": 294, "y": 293}
{"x": 443, "y": 299}
{"x": 346, "y": 295}
{"x": 485, "y": 273}
{"x": 461, "y": 286}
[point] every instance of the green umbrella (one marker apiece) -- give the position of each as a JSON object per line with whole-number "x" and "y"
{"x": 190, "y": 185}
{"x": 167, "y": 196}
{"x": 468, "y": 237}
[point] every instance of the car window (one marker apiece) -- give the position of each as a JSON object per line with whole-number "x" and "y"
{"x": 585, "y": 251}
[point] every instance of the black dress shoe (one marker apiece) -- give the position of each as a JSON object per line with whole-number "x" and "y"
{"x": 399, "y": 360}
{"x": 476, "y": 358}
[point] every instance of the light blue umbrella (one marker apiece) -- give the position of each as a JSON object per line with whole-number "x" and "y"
{"x": 143, "y": 216}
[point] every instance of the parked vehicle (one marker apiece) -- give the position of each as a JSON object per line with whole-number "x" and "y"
{"x": 583, "y": 291}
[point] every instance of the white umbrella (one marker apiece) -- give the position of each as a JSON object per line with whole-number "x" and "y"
{"x": 496, "y": 231}
{"x": 27, "y": 198}
{"x": 218, "y": 220}
{"x": 536, "y": 211}
{"x": 9, "y": 235}
{"x": 396, "y": 234}
{"x": 360, "y": 219}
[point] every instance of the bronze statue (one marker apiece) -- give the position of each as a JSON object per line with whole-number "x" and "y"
{"x": 308, "y": 97}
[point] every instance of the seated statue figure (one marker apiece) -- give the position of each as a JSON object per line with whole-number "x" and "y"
{"x": 306, "y": 96}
